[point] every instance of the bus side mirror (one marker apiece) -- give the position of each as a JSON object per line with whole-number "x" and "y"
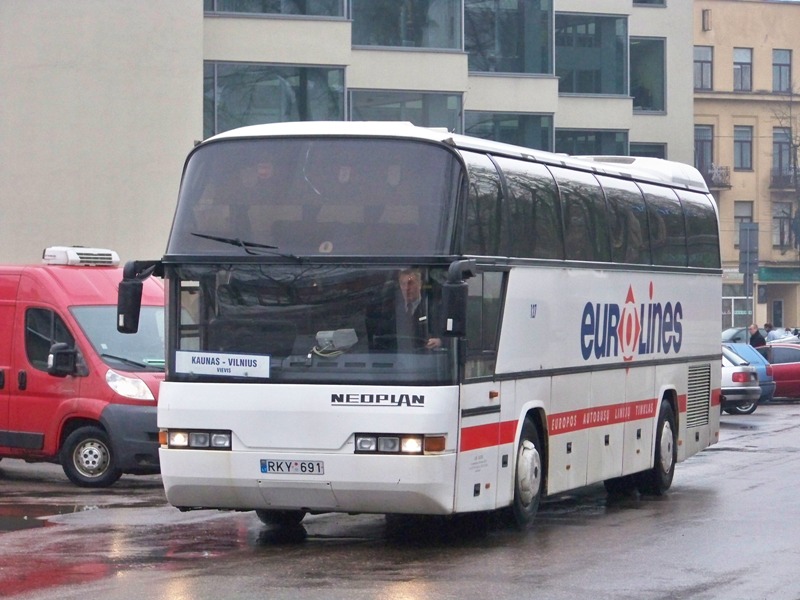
{"x": 129, "y": 305}
{"x": 455, "y": 292}
{"x": 454, "y": 305}
{"x": 62, "y": 360}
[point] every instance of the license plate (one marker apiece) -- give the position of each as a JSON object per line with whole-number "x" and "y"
{"x": 292, "y": 467}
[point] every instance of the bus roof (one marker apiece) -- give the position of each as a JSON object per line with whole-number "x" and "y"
{"x": 629, "y": 167}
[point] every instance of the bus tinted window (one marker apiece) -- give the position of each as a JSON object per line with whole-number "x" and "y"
{"x": 534, "y": 210}
{"x": 667, "y": 226}
{"x": 584, "y": 207}
{"x": 630, "y": 242}
{"x": 702, "y": 234}
{"x": 316, "y": 197}
{"x": 484, "y": 206}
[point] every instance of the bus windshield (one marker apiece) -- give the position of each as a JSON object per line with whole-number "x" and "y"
{"x": 304, "y": 196}
{"x": 311, "y": 323}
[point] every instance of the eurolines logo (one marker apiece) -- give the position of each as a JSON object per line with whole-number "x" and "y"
{"x": 629, "y": 330}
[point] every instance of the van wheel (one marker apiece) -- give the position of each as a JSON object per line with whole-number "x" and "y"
{"x": 280, "y": 518}
{"x": 87, "y": 459}
{"x": 744, "y": 409}
{"x": 528, "y": 477}
{"x": 657, "y": 480}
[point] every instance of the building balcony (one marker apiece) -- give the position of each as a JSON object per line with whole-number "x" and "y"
{"x": 717, "y": 178}
{"x": 783, "y": 178}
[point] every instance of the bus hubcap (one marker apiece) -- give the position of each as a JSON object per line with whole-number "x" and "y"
{"x": 529, "y": 472}
{"x": 666, "y": 447}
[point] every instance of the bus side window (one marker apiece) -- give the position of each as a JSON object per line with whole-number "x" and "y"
{"x": 484, "y": 207}
{"x": 483, "y": 323}
{"x": 534, "y": 211}
{"x": 667, "y": 226}
{"x": 630, "y": 240}
{"x": 702, "y": 234}
{"x": 585, "y": 222}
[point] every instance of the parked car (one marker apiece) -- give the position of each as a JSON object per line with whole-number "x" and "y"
{"x": 785, "y": 360}
{"x": 740, "y": 334}
{"x": 765, "y": 379}
{"x": 740, "y": 389}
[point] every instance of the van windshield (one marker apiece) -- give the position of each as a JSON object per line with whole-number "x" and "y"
{"x": 142, "y": 351}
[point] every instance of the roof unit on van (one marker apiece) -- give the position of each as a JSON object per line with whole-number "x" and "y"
{"x": 78, "y": 255}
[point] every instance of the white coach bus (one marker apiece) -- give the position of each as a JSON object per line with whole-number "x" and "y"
{"x": 382, "y": 318}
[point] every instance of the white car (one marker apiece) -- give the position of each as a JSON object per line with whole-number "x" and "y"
{"x": 740, "y": 388}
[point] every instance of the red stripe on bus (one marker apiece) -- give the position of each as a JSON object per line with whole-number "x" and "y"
{"x": 494, "y": 434}
{"x": 486, "y": 436}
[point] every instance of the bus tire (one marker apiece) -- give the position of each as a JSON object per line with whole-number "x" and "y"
{"x": 87, "y": 458}
{"x": 280, "y": 518}
{"x": 528, "y": 476}
{"x": 657, "y": 480}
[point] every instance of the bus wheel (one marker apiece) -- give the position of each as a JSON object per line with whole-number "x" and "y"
{"x": 528, "y": 478}
{"x": 87, "y": 459}
{"x": 281, "y": 518}
{"x": 657, "y": 480}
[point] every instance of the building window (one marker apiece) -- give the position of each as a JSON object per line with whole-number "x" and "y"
{"x": 781, "y": 224}
{"x": 647, "y": 74}
{"x": 781, "y": 70}
{"x": 591, "y": 54}
{"x": 407, "y": 23}
{"x": 703, "y": 68}
{"x": 651, "y": 150}
{"x": 509, "y": 37}
{"x": 742, "y": 148}
{"x": 317, "y": 8}
{"x": 426, "y": 109}
{"x": 238, "y": 94}
{"x": 531, "y": 131}
{"x": 649, "y": 2}
{"x": 742, "y": 213}
{"x": 581, "y": 141}
{"x": 782, "y": 159}
{"x": 704, "y": 148}
{"x": 742, "y": 69}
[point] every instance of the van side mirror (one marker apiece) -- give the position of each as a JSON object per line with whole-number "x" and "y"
{"x": 62, "y": 360}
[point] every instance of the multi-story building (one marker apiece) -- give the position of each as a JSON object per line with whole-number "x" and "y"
{"x": 102, "y": 100}
{"x": 746, "y": 139}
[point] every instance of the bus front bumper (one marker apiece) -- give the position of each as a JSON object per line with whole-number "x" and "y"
{"x": 351, "y": 483}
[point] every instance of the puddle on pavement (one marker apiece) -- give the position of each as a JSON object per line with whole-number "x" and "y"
{"x": 19, "y": 516}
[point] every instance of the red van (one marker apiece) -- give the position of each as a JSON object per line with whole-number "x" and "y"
{"x": 72, "y": 389}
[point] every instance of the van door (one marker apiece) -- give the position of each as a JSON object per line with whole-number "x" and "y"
{"x": 38, "y": 401}
{"x": 8, "y": 294}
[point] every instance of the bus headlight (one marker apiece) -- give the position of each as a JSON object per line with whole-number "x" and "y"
{"x": 197, "y": 439}
{"x": 373, "y": 443}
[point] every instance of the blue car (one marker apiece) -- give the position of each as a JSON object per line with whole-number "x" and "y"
{"x": 765, "y": 379}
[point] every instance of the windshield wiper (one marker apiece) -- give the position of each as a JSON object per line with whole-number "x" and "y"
{"x": 128, "y": 361}
{"x": 246, "y": 246}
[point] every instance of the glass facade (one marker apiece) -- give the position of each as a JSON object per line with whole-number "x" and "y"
{"x": 407, "y": 23}
{"x": 319, "y": 8}
{"x": 591, "y": 54}
{"x": 531, "y": 131}
{"x": 648, "y": 149}
{"x": 512, "y": 36}
{"x": 426, "y": 109}
{"x": 648, "y": 74}
{"x": 238, "y": 94}
{"x": 580, "y": 141}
